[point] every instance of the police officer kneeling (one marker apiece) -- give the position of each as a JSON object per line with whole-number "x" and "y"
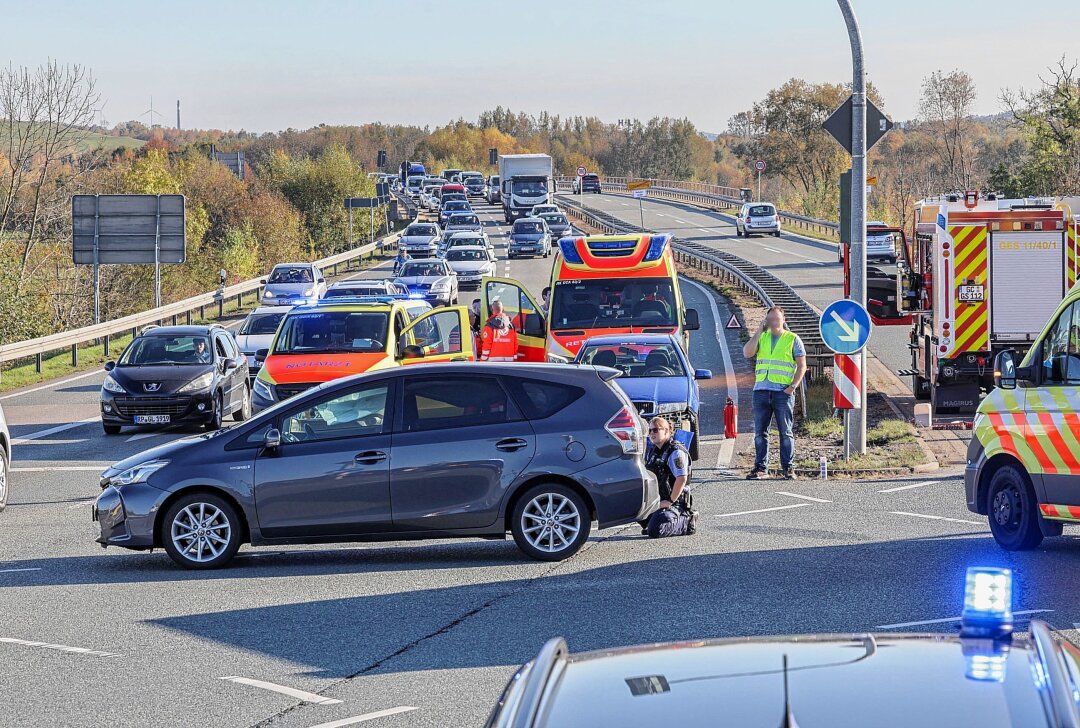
{"x": 669, "y": 461}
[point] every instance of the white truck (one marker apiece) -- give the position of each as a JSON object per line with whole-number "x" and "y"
{"x": 526, "y": 182}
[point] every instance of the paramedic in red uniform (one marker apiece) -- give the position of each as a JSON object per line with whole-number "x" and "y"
{"x": 498, "y": 341}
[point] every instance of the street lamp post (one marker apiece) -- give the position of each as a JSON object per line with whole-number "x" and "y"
{"x": 855, "y": 432}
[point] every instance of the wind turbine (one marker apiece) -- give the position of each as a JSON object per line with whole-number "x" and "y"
{"x": 100, "y": 111}
{"x": 151, "y": 113}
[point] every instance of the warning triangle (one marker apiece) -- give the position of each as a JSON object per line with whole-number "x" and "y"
{"x": 733, "y": 322}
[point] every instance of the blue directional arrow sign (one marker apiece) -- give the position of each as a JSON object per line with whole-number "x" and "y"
{"x": 845, "y": 326}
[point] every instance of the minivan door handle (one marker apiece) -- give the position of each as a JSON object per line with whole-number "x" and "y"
{"x": 370, "y": 457}
{"x": 511, "y": 444}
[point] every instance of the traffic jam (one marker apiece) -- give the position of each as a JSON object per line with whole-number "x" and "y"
{"x": 434, "y": 399}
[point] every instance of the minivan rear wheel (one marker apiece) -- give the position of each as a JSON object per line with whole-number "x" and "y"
{"x": 550, "y": 522}
{"x": 201, "y": 531}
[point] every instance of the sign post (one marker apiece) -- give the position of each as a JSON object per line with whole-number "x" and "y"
{"x": 640, "y": 189}
{"x": 760, "y": 167}
{"x": 845, "y": 328}
{"x": 133, "y": 229}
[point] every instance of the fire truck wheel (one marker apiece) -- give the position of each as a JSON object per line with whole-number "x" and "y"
{"x": 1013, "y": 510}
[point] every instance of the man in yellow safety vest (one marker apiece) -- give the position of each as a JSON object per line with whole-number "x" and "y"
{"x": 780, "y": 367}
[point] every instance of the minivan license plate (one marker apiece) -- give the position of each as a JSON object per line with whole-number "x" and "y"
{"x": 151, "y": 419}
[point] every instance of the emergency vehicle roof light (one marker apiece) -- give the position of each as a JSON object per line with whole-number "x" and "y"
{"x": 657, "y": 245}
{"x": 570, "y": 251}
{"x": 987, "y": 603}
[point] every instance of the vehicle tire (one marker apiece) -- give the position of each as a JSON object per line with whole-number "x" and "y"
{"x": 776, "y": 234}
{"x": 892, "y": 260}
{"x": 111, "y": 429}
{"x": 454, "y": 302}
{"x": 201, "y": 531}
{"x": 244, "y": 413}
{"x": 1012, "y": 510}
{"x": 217, "y": 415}
{"x": 550, "y": 522}
{"x": 695, "y": 449}
{"x": 5, "y": 474}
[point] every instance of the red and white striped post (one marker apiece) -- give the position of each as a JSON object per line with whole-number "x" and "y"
{"x": 847, "y": 378}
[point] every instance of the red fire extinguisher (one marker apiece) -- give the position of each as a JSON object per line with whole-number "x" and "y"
{"x": 731, "y": 419}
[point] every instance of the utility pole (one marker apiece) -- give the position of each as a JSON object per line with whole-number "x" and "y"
{"x": 855, "y": 432}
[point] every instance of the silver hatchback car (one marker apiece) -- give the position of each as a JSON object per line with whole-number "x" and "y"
{"x": 757, "y": 218}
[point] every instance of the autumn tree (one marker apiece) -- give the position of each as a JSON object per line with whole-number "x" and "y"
{"x": 945, "y": 110}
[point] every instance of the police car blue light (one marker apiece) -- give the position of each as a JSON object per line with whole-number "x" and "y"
{"x": 987, "y": 603}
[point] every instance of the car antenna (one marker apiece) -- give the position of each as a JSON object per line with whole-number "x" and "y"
{"x": 788, "y": 721}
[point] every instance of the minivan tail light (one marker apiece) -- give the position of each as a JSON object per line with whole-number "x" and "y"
{"x": 625, "y": 428}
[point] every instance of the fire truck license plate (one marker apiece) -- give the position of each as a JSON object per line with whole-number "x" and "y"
{"x": 971, "y": 293}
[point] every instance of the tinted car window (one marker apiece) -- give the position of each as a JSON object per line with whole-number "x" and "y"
{"x": 539, "y": 399}
{"x": 166, "y": 349}
{"x": 467, "y": 255}
{"x": 420, "y": 269}
{"x": 290, "y": 275}
{"x": 464, "y": 220}
{"x": 266, "y": 323}
{"x": 528, "y": 228}
{"x": 453, "y": 402}
{"x": 762, "y": 210}
{"x": 420, "y": 230}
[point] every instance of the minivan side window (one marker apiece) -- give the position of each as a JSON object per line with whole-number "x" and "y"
{"x": 1060, "y": 355}
{"x": 539, "y": 399}
{"x": 453, "y": 402}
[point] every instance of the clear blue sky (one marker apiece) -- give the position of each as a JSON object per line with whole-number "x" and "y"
{"x": 274, "y": 64}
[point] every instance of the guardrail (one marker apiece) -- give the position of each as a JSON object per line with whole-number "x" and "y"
{"x": 714, "y": 197}
{"x": 184, "y": 309}
{"x": 752, "y": 278}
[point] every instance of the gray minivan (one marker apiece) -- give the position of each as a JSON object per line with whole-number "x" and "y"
{"x": 417, "y": 452}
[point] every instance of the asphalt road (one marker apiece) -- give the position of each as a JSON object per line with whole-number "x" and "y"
{"x": 809, "y": 266}
{"x": 433, "y": 630}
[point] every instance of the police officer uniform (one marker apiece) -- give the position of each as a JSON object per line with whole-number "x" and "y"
{"x": 668, "y": 463}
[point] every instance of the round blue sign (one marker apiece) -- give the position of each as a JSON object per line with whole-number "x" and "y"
{"x": 845, "y": 326}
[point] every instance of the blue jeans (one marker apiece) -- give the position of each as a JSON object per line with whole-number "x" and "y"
{"x": 769, "y": 404}
{"x": 667, "y": 522}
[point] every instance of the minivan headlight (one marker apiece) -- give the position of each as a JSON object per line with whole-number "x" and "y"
{"x": 138, "y": 473}
{"x": 263, "y": 390}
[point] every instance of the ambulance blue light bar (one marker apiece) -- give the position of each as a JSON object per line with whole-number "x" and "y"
{"x": 570, "y": 251}
{"x": 657, "y": 245}
{"x": 987, "y": 603}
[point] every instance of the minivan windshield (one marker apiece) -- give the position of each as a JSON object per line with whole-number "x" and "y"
{"x": 612, "y": 303}
{"x": 528, "y": 228}
{"x": 325, "y": 332}
{"x": 459, "y": 254}
{"x": 290, "y": 275}
{"x": 464, "y": 220}
{"x": 453, "y": 205}
{"x": 421, "y": 269}
{"x": 167, "y": 349}
{"x": 420, "y": 230}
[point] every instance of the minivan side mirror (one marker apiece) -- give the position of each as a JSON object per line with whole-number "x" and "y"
{"x": 262, "y": 353}
{"x": 690, "y": 320}
{"x": 702, "y": 374}
{"x": 272, "y": 439}
{"x": 110, "y": 365}
{"x": 230, "y": 364}
{"x": 1005, "y": 369}
{"x": 263, "y": 281}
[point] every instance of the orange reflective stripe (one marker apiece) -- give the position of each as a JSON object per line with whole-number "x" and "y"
{"x": 1003, "y": 434}
{"x": 1054, "y": 435}
{"x": 1049, "y": 510}
{"x": 1033, "y": 442}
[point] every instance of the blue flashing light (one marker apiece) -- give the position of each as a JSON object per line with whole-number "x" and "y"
{"x": 986, "y": 667}
{"x": 657, "y": 245}
{"x": 570, "y": 251}
{"x": 987, "y": 603}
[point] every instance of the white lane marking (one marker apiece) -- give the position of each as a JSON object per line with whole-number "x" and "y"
{"x": 704, "y": 230}
{"x": 63, "y": 469}
{"x": 726, "y": 453}
{"x": 274, "y": 687}
{"x": 81, "y": 504}
{"x": 681, "y": 222}
{"x": 625, "y": 204}
{"x": 51, "y": 385}
{"x": 660, "y": 214}
{"x": 729, "y": 369}
{"x": 909, "y": 487}
{"x": 815, "y": 262}
{"x": 61, "y": 648}
{"x": 803, "y": 497}
{"x": 946, "y": 620}
{"x": 8, "y": 571}
{"x": 772, "y": 249}
{"x": 762, "y": 510}
{"x": 52, "y": 430}
{"x": 365, "y": 717}
{"x": 935, "y": 518}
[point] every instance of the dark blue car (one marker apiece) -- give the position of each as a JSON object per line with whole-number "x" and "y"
{"x": 657, "y": 376}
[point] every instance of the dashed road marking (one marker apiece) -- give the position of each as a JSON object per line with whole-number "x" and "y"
{"x": 681, "y": 222}
{"x": 291, "y": 692}
{"x": 804, "y": 497}
{"x": 772, "y": 249}
{"x": 52, "y": 431}
{"x": 704, "y": 230}
{"x": 365, "y": 717}
{"x": 935, "y": 518}
{"x": 59, "y": 648}
{"x": 9, "y": 571}
{"x": 946, "y": 620}
{"x": 909, "y": 487}
{"x": 762, "y": 510}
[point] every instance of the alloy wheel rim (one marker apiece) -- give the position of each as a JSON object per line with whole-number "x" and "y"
{"x": 550, "y": 522}
{"x": 201, "y": 532}
{"x": 3, "y": 479}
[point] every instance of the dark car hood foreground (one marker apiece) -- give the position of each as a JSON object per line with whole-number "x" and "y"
{"x": 166, "y": 451}
{"x": 140, "y": 380}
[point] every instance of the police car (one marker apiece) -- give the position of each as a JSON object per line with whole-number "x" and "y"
{"x": 986, "y": 676}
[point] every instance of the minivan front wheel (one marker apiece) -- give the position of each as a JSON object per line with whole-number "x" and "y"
{"x": 550, "y": 522}
{"x": 201, "y": 531}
